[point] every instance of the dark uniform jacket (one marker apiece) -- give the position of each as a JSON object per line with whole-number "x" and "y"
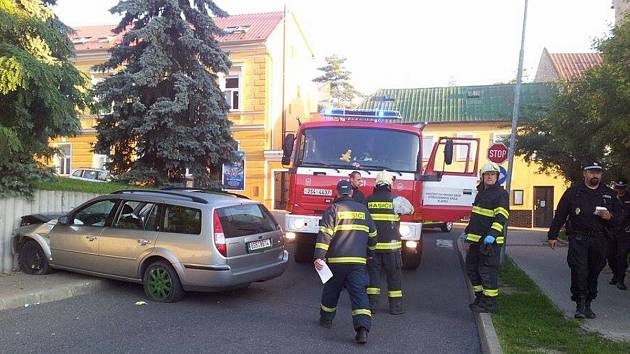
{"x": 346, "y": 230}
{"x": 381, "y": 207}
{"x": 578, "y": 205}
{"x": 490, "y": 213}
{"x": 622, "y": 229}
{"x": 358, "y": 196}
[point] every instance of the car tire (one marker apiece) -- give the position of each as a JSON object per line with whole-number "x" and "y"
{"x": 32, "y": 259}
{"x": 411, "y": 261}
{"x": 304, "y": 248}
{"x": 161, "y": 283}
{"x": 447, "y": 227}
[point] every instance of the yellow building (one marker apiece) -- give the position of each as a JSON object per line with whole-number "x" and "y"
{"x": 268, "y": 88}
{"x": 484, "y": 113}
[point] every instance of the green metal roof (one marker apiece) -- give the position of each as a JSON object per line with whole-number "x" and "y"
{"x": 487, "y": 103}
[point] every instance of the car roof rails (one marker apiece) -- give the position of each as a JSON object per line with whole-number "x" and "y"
{"x": 204, "y": 190}
{"x": 181, "y": 195}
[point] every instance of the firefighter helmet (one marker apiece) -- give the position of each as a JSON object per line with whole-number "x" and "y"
{"x": 384, "y": 177}
{"x": 489, "y": 167}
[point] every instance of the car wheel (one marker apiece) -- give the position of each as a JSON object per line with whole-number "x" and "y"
{"x": 32, "y": 259}
{"x": 447, "y": 227}
{"x": 304, "y": 248}
{"x": 411, "y": 259}
{"x": 161, "y": 283}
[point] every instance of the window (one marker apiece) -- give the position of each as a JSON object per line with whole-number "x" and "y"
{"x": 89, "y": 174}
{"x": 137, "y": 216}
{"x": 517, "y": 197}
{"x": 77, "y": 173}
{"x": 461, "y": 151}
{"x": 427, "y": 146}
{"x": 99, "y": 161}
{"x": 96, "y": 214}
{"x": 63, "y": 159}
{"x": 232, "y": 92}
{"x": 247, "y": 219}
{"x": 182, "y": 220}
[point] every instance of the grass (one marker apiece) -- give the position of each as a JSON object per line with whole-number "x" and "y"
{"x": 528, "y": 322}
{"x": 67, "y": 184}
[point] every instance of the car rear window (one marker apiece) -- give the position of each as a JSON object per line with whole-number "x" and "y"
{"x": 246, "y": 219}
{"x": 182, "y": 220}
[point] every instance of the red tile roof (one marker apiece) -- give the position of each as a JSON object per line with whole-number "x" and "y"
{"x": 574, "y": 65}
{"x": 245, "y": 28}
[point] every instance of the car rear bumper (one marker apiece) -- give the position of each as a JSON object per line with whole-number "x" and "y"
{"x": 225, "y": 278}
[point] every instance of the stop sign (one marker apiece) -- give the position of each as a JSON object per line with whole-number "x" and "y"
{"x": 497, "y": 153}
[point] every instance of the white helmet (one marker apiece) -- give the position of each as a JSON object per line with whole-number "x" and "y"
{"x": 384, "y": 177}
{"x": 489, "y": 167}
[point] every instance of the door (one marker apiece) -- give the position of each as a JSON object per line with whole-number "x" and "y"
{"x": 76, "y": 245}
{"x": 130, "y": 237}
{"x": 281, "y": 190}
{"x": 543, "y": 206}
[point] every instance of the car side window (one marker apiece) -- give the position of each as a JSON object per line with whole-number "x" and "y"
{"x": 77, "y": 173}
{"x": 182, "y": 220}
{"x": 95, "y": 214}
{"x": 136, "y": 215}
{"x": 89, "y": 174}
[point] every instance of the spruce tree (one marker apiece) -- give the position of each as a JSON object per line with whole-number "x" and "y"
{"x": 40, "y": 91}
{"x": 335, "y": 74}
{"x": 168, "y": 112}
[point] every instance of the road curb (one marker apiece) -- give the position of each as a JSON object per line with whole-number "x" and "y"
{"x": 487, "y": 334}
{"x": 52, "y": 294}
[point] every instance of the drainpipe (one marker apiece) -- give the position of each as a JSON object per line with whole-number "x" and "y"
{"x": 284, "y": 65}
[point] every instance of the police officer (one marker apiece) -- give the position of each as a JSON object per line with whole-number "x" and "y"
{"x": 484, "y": 232}
{"x": 345, "y": 233}
{"x": 385, "y": 207}
{"x": 590, "y": 208}
{"x": 357, "y": 180}
{"x": 619, "y": 242}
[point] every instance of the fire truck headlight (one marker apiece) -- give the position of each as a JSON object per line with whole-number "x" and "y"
{"x": 411, "y": 244}
{"x": 299, "y": 223}
{"x": 290, "y": 236}
{"x": 404, "y": 230}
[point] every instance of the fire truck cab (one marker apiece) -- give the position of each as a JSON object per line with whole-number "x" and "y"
{"x": 321, "y": 153}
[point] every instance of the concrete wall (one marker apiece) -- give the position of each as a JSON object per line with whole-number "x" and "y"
{"x": 11, "y": 209}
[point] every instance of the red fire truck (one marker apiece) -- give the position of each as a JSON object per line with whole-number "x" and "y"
{"x": 323, "y": 152}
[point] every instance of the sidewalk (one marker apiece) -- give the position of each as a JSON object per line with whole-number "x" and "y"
{"x": 19, "y": 289}
{"x": 549, "y": 269}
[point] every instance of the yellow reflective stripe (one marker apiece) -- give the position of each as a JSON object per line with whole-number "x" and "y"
{"x": 500, "y": 240}
{"x": 362, "y": 312}
{"x": 477, "y": 288}
{"x": 322, "y": 246}
{"x": 497, "y": 226}
{"x": 491, "y": 292}
{"x": 395, "y": 293}
{"x": 473, "y": 237}
{"x": 359, "y": 260}
{"x": 389, "y": 245}
{"x": 328, "y": 309}
{"x": 385, "y": 217}
{"x": 350, "y": 215}
{"x": 381, "y": 205}
{"x": 352, "y": 227}
{"x": 326, "y": 231}
{"x": 502, "y": 211}
{"x": 373, "y": 234}
{"x": 483, "y": 211}
{"x": 374, "y": 291}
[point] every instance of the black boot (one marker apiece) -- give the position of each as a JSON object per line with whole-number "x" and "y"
{"x": 621, "y": 285}
{"x": 325, "y": 323}
{"x": 580, "y": 309}
{"x": 361, "y": 337}
{"x": 587, "y": 310}
{"x": 485, "y": 305}
{"x": 396, "y": 306}
{"x": 477, "y": 298}
{"x": 613, "y": 281}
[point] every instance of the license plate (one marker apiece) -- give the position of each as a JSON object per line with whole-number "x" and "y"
{"x": 258, "y": 245}
{"x": 317, "y": 191}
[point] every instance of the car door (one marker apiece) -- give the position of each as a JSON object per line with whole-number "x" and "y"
{"x": 75, "y": 244}
{"x": 131, "y": 236}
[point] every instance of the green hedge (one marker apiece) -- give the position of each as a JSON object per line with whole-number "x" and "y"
{"x": 75, "y": 185}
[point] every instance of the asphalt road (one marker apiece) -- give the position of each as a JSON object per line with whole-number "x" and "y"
{"x": 278, "y": 316}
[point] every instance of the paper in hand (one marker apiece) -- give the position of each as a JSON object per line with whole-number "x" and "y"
{"x": 325, "y": 273}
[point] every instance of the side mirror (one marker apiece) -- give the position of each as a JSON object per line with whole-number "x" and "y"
{"x": 287, "y": 148}
{"x": 63, "y": 220}
{"x": 448, "y": 152}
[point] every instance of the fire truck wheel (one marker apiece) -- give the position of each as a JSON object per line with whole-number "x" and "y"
{"x": 411, "y": 260}
{"x": 304, "y": 248}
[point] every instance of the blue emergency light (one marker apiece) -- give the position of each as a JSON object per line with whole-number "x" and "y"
{"x": 372, "y": 115}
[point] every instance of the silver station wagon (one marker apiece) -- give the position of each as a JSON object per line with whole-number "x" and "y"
{"x": 171, "y": 241}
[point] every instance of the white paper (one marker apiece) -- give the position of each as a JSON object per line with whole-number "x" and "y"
{"x": 325, "y": 273}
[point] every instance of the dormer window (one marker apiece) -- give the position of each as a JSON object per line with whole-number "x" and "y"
{"x": 236, "y": 29}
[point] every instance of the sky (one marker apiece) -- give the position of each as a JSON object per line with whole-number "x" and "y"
{"x": 419, "y": 43}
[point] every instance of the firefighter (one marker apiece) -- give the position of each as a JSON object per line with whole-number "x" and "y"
{"x": 345, "y": 234}
{"x": 591, "y": 208}
{"x": 356, "y": 180}
{"x": 385, "y": 207}
{"x": 619, "y": 243}
{"x": 484, "y": 232}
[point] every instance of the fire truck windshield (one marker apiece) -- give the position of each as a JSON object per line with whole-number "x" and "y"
{"x": 365, "y": 148}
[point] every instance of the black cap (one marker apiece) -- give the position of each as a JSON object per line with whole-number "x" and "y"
{"x": 592, "y": 166}
{"x": 621, "y": 183}
{"x": 344, "y": 187}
